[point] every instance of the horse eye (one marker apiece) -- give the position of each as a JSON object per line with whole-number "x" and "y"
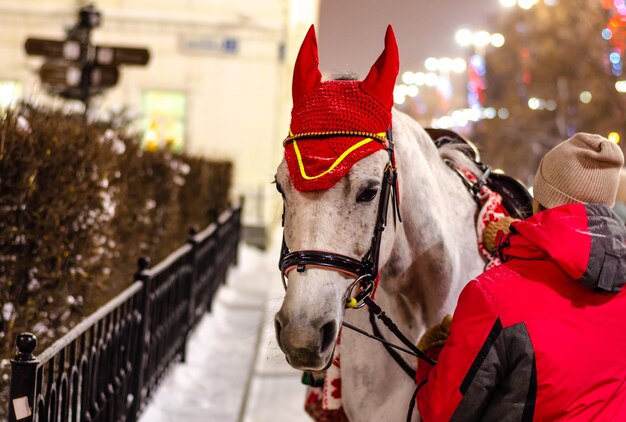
{"x": 279, "y": 188}
{"x": 367, "y": 195}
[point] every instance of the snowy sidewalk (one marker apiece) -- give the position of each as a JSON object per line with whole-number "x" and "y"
{"x": 234, "y": 369}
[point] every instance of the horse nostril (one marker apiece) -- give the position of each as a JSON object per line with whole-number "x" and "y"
{"x": 277, "y": 327}
{"x": 328, "y": 334}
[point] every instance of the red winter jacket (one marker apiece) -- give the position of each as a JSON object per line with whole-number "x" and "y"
{"x": 542, "y": 336}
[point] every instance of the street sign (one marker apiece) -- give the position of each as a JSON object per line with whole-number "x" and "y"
{"x": 68, "y": 49}
{"x": 74, "y": 67}
{"x": 212, "y": 44}
{"x": 68, "y": 75}
{"x": 60, "y": 74}
{"x": 122, "y": 55}
{"x": 103, "y": 76}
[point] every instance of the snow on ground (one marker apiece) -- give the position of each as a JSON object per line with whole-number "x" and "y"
{"x": 234, "y": 369}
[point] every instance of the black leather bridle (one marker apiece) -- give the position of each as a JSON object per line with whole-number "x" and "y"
{"x": 364, "y": 270}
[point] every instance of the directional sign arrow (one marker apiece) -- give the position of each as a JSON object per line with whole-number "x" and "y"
{"x": 103, "y": 76}
{"x": 60, "y": 74}
{"x": 122, "y": 55}
{"x": 70, "y": 75}
{"x": 69, "y": 49}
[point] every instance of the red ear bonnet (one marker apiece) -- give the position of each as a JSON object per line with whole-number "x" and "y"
{"x": 306, "y": 73}
{"x": 381, "y": 80}
{"x": 319, "y": 162}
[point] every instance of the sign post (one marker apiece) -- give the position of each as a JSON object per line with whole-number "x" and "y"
{"x": 74, "y": 68}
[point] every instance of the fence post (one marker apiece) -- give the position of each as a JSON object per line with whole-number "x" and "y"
{"x": 143, "y": 338}
{"x": 23, "y": 379}
{"x": 193, "y": 279}
{"x": 238, "y": 230}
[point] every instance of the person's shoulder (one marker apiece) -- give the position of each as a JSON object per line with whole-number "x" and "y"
{"x": 490, "y": 285}
{"x": 497, "y": 278}
{"x": 509, "y": 292}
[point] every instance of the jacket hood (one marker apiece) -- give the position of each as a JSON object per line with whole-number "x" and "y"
{"x": 586, "y": 241}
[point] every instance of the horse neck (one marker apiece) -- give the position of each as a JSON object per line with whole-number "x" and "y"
{"x": 435, "y": 249}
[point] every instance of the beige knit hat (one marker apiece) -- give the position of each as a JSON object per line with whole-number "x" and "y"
{"x": 583, "y": 169}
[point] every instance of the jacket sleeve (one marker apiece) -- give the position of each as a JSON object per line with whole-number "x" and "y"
{"x": 462, "y": 380}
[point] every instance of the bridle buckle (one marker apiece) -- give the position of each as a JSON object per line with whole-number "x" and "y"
{"x": 366, "y": 285}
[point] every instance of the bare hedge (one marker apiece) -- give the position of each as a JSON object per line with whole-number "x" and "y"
{"x": 79, "y": 203}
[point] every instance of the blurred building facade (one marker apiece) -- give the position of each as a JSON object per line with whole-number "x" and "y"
{"x": 218, "y": 83}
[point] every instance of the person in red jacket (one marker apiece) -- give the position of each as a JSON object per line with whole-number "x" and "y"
{"x": 543, "y": 336}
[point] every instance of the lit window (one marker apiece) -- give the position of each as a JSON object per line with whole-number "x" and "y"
{"x": 10, "y": 93}
{"x": 165, "y": 115}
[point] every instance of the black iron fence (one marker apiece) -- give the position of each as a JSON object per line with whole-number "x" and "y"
{"x": 108, "y": 366}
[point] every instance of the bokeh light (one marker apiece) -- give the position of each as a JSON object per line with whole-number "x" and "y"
{"x": 431, "y": 64}
{"x": 534, "y": 103}
{"x": 503, "y": 113}
{"x": 419, "y": 78}
{"x": 412, "y": 91}
{"x": 551, "y": 105}
{"x": 481, "y": 38}
{"x": 463, "y": 37}
{"x": 459, "y": 65}
{"x": 408, "y": 78}
{"x": 615, "y": 57}
{"x": 526, "y": 4}
{"x": 445, "y": 64}
{"x": 497, "y": 40}
{"x": 585, "y": 97}
{"x": 431, "y": 79}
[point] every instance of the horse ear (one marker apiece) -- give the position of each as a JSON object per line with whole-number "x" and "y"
{"x": 381, "y": 79}
{"x": 306, "y": 74}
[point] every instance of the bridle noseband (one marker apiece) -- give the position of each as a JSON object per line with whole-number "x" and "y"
{"x": 364, "y": 270}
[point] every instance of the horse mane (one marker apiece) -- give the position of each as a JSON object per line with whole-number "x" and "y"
{"x": 345, "y": 76}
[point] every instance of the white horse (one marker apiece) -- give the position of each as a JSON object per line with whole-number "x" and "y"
{"x": 425, "y": 262}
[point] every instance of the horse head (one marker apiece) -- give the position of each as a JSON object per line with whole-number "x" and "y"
{"x": 335, "y": 180}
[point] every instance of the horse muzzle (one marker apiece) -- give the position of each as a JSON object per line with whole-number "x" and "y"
{"x": 307, "y": 345}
